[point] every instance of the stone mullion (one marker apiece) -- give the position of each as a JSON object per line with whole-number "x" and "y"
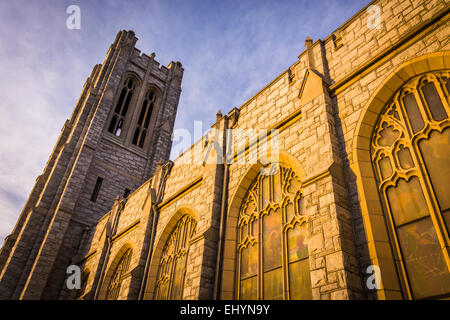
{"x": 285, "y": 257}
{"x": 260, "y": 283}
{"x": 172, "y": 266}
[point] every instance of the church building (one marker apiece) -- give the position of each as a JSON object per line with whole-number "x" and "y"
{"x": 331, "y": 182}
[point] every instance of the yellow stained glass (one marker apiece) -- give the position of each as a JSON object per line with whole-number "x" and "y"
{"x": 301, "y": 206}
{"x": 297, "y": 243}
{"x": 404, "y": 157}
{"x": 251, "y": 206}
{"x": 272, "y": 240}
{"x": 393, "y": 112}
{"x": 407, "y": 201}
{"x": 415, "y": 118}
{"x": 118, "y": 276}
{"x": 434, "y": 101}
{"x": 386, "y": 168}
{"x": 427, "y": 271}
{"x": 300, "y": 284}
{"x": 262, "y": 268}
{"x": 276, "y": 187}
{"x": 249, "y": 264}
{"x": 173, "y": 260}
{"x": 388, "y": 135}
{"x": 411, "y": 201}
{"x": 266, "y": 190}
{"x": 273, "y": 284}
{"x": 294, "y": 185}
{"x": 436, "y": 155}
{"x": 162, "y": 292}
{"x": 248, "y": 290}
{"x": 290, "y": 212}
{"x": 254, "y": 227}
{"x": 178, "y": 278}
{"x": 244, "y": 231}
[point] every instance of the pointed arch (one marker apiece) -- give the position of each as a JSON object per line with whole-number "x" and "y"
{"x": 239, "y": 195}
{"x": 160, "y": 244}
{"x": 117, "y": 271}
{"x": 381, "y": 253}
{"x": 123, "y": 103}
{"x": 146, "y": 111}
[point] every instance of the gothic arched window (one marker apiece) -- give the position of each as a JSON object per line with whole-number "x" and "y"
{"x": 118, "y": 276}
{"x": 411, "y": 156}
{"x": 272, "y": 247}
{"x": 122, "y": 106}
{"x": 144, "y": 118}
{"x": 172, "y": 267}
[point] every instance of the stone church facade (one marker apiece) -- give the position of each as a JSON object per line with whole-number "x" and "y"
{"x": 329, "y": 183}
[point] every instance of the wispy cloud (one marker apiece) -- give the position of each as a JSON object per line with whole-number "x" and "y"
{"x": 229, "y": 49}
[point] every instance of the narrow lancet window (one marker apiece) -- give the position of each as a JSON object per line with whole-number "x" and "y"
{"x": 123, "y": 104}
{"x": 144, "y": 119}
{"x": 98, "y": 185}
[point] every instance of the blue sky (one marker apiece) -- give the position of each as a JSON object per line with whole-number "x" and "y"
{"x": 229, "y": 50}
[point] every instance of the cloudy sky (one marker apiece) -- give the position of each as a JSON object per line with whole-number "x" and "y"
{"x": 229, "y": 49}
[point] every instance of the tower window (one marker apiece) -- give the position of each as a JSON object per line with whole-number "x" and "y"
{"x": 144, "y": 118}
{"x": 97, "y": 187}
{"x": 123, "y": 104}
{"x": 126, "y": 193}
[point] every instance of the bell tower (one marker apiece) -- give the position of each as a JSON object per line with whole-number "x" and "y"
{"x": 120, "y": 129}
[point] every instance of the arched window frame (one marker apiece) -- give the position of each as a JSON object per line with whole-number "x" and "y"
{"x": 289, "y": 194}
{"x": 117, "y": 277}
{"x": 390, "y": 169}
{"x": 175, "y": 249}
{"x": 123, "y": 106}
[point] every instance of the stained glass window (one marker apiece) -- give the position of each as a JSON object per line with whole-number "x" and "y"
{"x": 172, "y": 267}
{"x": 273, "y": 205}
{"x": 413, "y": 172}
{"x": 118, "y": 276}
